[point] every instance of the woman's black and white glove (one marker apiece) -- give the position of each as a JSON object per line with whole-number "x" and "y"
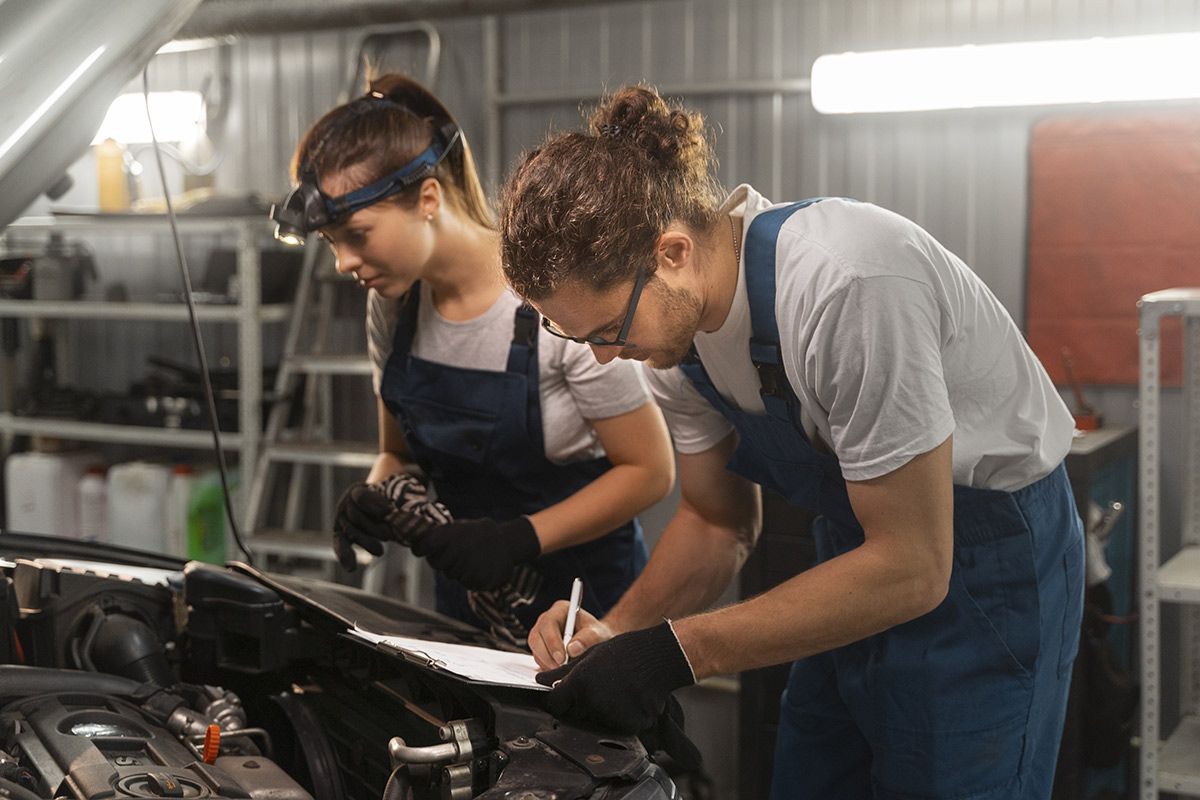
{"x": 481, "y": 554}
{"x": 623, "y": 684}
{"x": 396, "y": 509}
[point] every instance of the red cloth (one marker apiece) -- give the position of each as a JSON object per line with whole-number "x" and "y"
{"x": 1114, "y": 213}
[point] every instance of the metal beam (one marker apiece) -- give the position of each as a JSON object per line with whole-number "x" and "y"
{"x": 715, "y": 88}
{"x": 266, "y": 17}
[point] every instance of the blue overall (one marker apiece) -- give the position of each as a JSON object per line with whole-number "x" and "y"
{"x": 478, "y": 436}
{"x": 967, "y": 701}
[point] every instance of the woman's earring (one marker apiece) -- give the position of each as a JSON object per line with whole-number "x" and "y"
{"x": 429, "y": 218}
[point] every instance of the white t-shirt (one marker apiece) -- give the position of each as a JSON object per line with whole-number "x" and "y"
{"x": 574, "y": 387}
{"x": 891, "y": 343}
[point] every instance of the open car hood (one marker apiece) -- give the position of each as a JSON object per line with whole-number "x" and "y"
{"x": 61, "y": 64}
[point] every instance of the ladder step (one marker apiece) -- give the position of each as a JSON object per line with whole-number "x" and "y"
{"x": 330, "y": 364}
{"x": 314, "y": 545}
{"x": 336, "y": 454}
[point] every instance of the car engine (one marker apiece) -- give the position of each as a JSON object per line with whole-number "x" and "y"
{"x": 90, "y": 739}
{"x": 128, "y": 675}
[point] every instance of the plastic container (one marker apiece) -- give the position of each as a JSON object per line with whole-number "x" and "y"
{"x": 137, "y": 505}
{"x": 179, "y": 495}
{"x": 208, "y": 530}
{"x": 40, "y": 491}
{"x": 92, "y": 497}
{"x": 112, "y": 180}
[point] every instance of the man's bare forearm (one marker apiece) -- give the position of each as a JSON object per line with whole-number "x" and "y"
{"x": 848, "y": 598}
{"x": 691, "y": 566}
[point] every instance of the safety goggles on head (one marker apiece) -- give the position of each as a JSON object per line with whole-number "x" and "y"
{"x": 307, "y": 208}
{"x": 623, "y": 335}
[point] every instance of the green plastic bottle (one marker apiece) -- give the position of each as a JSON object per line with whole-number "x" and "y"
{"x": 207, "y": 527}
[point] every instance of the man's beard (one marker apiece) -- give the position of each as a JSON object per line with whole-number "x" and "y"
{"x": 681, "y": 319}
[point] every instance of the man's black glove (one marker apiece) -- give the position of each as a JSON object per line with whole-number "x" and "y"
{"x": 368, "y": 517}
{"x": 620, "y": 685}
{"x": 479, "y": 553}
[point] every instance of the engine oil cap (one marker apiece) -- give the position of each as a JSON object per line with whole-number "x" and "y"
{"x": 159, "y": 784}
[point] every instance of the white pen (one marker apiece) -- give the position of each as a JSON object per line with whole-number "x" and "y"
{"x": 572, "y": 613}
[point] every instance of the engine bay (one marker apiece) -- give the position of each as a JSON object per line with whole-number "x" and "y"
{"x": 129, "y": 675}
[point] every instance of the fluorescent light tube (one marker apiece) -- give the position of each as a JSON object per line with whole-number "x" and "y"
{"x": 192, "y": 45}
{"x": 1129, "y": 68}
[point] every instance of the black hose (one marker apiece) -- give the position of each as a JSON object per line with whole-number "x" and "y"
{"x": 126, "y": 646}
{"x": 15, "y": 791}
{"x": 18, "y": 681}
{"x": 315, "y": 751}
{"x": 398, "y": 785}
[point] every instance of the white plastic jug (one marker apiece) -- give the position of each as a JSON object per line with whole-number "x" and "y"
{"x": 40, "y": 491}
{"x": 92, "y": 494}
{"x": 179, "y": 495}
{"x": 137, "y": 505}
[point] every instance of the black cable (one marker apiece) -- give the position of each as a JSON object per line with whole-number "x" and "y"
{"x": 11, "y": 790}
{"x": 195, "y": 328}
{"x": 89, "y": 639}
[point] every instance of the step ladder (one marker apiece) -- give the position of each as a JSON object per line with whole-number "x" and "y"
{"x": 304, "y": 382}
{"x": 299, "y": 433}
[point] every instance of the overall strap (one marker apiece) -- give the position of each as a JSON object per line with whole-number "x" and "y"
{"x": 406, "y": 322}
{"x": 523, "y": 360}
{"x": 760, "y": 255}
{"x": 695, "y": 372}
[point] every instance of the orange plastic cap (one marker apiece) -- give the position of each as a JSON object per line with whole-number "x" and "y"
{"x": 212, "y": 744}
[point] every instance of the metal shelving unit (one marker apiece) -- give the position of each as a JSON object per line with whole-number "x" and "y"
{"x": 249, "y": 314}
{"x": 15, "y": 425}
{"x": 142, "y": 312}
{"x": 1170, "y": 765}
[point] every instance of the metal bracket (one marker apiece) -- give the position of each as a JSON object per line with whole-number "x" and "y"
{"x": 457, "y": 755}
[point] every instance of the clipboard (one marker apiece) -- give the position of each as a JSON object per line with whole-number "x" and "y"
{"x": 470, "y": 663}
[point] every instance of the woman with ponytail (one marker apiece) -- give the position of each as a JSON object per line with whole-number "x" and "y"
{"x": 540, "y": 457}
{"x": 837, "y": 353}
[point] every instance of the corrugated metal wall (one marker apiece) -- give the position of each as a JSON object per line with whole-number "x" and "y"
{"x": 960, "y": 174}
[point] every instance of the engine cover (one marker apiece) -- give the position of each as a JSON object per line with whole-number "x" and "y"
{"x": 87, "y": 746}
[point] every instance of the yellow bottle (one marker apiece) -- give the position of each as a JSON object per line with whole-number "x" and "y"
{"x": 112, "y": 182}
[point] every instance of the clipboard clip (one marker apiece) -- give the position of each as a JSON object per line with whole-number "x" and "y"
{"x": 417, "y": 657}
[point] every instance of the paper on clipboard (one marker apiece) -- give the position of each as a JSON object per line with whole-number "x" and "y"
{"x": 477, "y": 664}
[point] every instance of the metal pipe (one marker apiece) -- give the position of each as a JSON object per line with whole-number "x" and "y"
{"x": 250, "y": 358}
{"x": 718, "y": 88}
{"x": 401, "y": 753}
{"x": 492, "y": 118}
{"x": 366, "y": 47}
{"x": 265, "y": 17}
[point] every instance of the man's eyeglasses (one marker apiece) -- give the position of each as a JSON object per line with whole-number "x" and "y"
{"x": 622, "y": 336}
